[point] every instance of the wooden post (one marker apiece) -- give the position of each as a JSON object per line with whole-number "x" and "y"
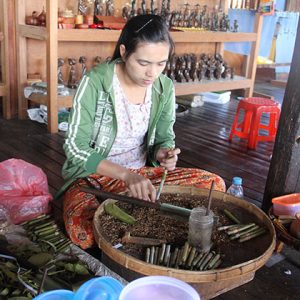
{"x": 4, "y": 52}
{"x": 284, "y": 172}
{"x": 254, "y": 52}
{"x": 21, "y": 60}
{"x": 11, "y": 57}
{"x": 52, "y": 50}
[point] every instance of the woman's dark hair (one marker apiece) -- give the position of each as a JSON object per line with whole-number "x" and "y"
{"x": 143, "y": 28}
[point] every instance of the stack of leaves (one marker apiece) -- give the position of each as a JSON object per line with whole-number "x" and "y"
{"x": 26, "y": 271}
{"x": 44, "y": 231}
{"x": 186, "y": 257}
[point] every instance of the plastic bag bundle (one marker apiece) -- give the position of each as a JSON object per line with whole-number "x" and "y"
{"x": 23, "y": 190}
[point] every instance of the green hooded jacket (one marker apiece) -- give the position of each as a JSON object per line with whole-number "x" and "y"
{"x": 93, "y": 125}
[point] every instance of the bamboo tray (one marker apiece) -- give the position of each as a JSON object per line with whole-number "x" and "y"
{"x": 208, "y": 283}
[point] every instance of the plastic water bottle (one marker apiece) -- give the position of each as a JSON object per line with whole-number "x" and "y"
{"x": 236, "y": 188}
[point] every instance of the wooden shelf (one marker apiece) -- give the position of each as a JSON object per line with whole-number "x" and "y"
{"x": 88, "y": 35}
{"x": 187, "y": 41}
{"x": 62, "y": 101}
{"x": 185, "y": 88}
{"x": 206, "y": 85}
{"x": 98, "y": 35}
{"x": 33, "y": 32}
{"x": 212, "y": 37}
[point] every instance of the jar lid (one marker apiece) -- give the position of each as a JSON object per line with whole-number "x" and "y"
{"x": 237, "y": 180}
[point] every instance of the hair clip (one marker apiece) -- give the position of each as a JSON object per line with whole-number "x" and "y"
{"x": 137, "y": 31}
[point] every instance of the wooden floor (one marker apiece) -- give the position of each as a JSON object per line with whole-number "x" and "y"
{"x": 202, "y": 135}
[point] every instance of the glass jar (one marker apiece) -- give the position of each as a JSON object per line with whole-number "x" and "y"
{"x": 200, "y": 229}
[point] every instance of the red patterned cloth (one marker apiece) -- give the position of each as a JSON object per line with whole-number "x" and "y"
{"x": 79, "y": 207}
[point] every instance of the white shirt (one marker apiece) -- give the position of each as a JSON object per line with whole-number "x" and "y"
{"x": 129, "y": 149}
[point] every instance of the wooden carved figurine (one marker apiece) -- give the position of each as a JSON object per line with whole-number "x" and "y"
{"x": 152, "y": 6}
{"x": 60, "y": 63}
{"x": 97, "y": 60}
{"x": 235, "y": 26}
{"x": 72, "y": 82}
{"x": 82, "y": 7}
{"x": 143, "y": 6}
{"x": 133, "y": 10}
{"x": 125, "y": 12}
{"x": 98, "y": 8}
{"x": 110, "y": 11}
{"x": 82, "y": 60}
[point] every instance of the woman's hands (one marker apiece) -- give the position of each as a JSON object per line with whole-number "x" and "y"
{"x": 168, "y": 158}
{"x": 140, "y": 187}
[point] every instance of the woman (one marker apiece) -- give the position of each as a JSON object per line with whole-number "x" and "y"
{"x": 122, "y": 118}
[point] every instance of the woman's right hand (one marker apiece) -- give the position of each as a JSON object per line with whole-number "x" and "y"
{"x": 140, "y": 187}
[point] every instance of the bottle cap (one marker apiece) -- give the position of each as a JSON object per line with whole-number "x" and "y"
{"x": 237, "y": 180}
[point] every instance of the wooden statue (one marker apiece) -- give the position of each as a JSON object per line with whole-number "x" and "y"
{"x": 82, "y": 7}
{"x": 97, "y": 60}
{"x": 152, "y": 6}
{"x": 143, "y": 6}
{"x": 110, "y": 11}
{"x": 82, "y": 60}
{"x": 132, "y": 11}
{"x": 72, "y": 82}
{"x": 235, "y": 26}
{"x": 98, "y": 8}
{"x": 60, "y": 63}
{"x": 125, "y": 12}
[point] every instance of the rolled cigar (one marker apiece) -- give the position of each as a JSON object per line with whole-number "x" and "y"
{"x": 228, "y": 226}
{"x": 197, "y": 259}
{"x": 178, "y": 259}
{"x": 252, "y": 235}
{"x": 202, "y": 259}
{"x": 152, "y": 250}
{"x": 156, "y": 253}
{"x": 174, "y": 257}
{"x": 191, "y": 257}
{"x": 162, "y": 254}
{"x": 213, "y": 261}
{"x": 186, "y": 250}
{"x": 231, "y": 216}
{"x": 239, "y": 229}
{"x": 167, "y": 255}
{"x": 217, "y": 264}
{"x": 249, "y": 230}
{"x": 147, "y": 259}
{"x": 206, "y": 260}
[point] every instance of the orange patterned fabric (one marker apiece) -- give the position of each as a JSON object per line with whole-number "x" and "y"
{"x": 79, "y": 207}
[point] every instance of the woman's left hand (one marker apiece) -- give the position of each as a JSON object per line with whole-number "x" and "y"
{"x": 168, "y": 157}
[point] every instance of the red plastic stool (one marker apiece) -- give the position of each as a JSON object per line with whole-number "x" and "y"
{"x": 251, "y": 124}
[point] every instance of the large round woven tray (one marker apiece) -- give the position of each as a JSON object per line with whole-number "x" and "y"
{"x": 282, "y": 232}
{"x": 208, "y": 283}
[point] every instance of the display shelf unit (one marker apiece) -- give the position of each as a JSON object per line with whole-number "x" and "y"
{"x": 184, "y": 41}
{"x": 4, "y": 61}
